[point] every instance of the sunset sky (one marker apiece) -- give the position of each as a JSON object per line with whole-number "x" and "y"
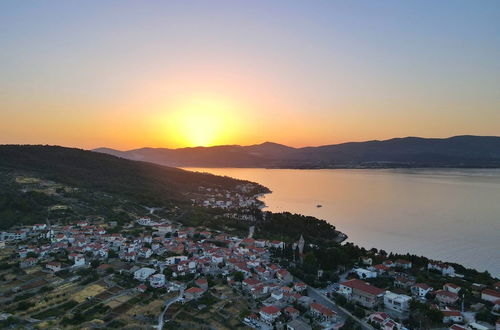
{"x": 129, "y": 74}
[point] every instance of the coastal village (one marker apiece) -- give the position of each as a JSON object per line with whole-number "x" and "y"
{"x": 80, "y": 274}
{"x": 152, "y": 272}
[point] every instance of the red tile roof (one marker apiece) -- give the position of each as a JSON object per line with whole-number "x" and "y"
{"x": 322, "y": 309}
{"x": 194, "y": 289}
{"x": 270, "y": 310}
{"x": 363, "y": 286}
{"x": 491, "y": 293}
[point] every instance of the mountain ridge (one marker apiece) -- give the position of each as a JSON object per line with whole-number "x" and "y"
{"x": 411, "y": 151}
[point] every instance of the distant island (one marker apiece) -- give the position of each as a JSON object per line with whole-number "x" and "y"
{"x": 464, "y": 151}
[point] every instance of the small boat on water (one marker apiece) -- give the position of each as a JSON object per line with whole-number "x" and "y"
{"x": 319, "y": 205}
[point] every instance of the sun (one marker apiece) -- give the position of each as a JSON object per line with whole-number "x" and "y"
{"x": 200, "y": 128}
{"x": 201, "y": 122}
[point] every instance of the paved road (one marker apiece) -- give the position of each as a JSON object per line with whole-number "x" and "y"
{"x": 344, "y": 314}
{"x": 167, "y": 305}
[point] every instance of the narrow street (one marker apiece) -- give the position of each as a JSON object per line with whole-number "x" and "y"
{"x": 167, "y": 305}
{"x": 344, "y": 314}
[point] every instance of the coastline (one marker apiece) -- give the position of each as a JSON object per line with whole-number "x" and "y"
{"x": 348, "y": 238}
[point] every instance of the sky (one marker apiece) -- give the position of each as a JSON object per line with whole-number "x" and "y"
{"x": 129, "y": 74}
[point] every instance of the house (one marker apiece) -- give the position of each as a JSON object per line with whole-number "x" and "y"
{"x": 284, "y": 276}
{"x": 143, "y": 273}
{"x": 277, "y": 295}
{"x": 450, "y": 287}
{"x": 202, "y": 283}
{"x": 403, "y": 282}
{"x": 446, "y": 297}
{"x": 30, "y": 262}
{"x": 269, "y": 314}
{"x": 367, "y": 261}
{"x": 389, "y": 263}
{"x": 420, "y": 290}
{"x": 299, "y": 286}
{"x": 361, "y": 292}
{"x": 451, "y": 316}
{"x": 141, "y": 288}
{"x": 130, "y": 256}
{"x": 397, "y": 302}
{"x": 457, "y": 327}
{"x": 321, "y": 312}
{"x": 145, "y": 221}
{"x": 250, "y": 283}
{"x": 157, "y": 280}
{"x": 277, "y": 244}
{"x": 145, "y": 252}
{"x": 39, "y": 226}
{"x": 291, "y": 312}
{"x": 445, "y": 269}
{"x": 378, "y": 318}
{"x": 79, "y": 260}
{"x": 401, "y": 263}
{"x": 297, "y": 325}
{"x": 380, "y": 269}
{"x": 193, "y": 293}
{"x": 164, "y": 229}
{"x": 364, "y": 273}
{"x": 54, "y": 266}
{"x": 490, "y": 295}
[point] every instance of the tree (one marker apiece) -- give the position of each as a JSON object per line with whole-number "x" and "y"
{"x": 238, "y": 276}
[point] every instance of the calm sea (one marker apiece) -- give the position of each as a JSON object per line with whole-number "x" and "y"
{"x": 445, "y": 214}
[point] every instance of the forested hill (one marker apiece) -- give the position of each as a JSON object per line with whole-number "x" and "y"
{"x": 145, "y": 182}
{"x": 457, "y": 151}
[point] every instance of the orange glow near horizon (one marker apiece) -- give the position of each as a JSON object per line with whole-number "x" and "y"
{"x": 200, "y": 121}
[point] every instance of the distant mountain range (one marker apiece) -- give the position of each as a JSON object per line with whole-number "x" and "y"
{"x": 457, "y": 151}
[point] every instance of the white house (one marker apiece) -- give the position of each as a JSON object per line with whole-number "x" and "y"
{"x": 420, "y": 290}
{"x": 490, "y": 295}
{"x": 269, "y": 314}
{"x": 277, "y": 244}
{"x": 54, "y": 266}
{"x": 145, "y": 221}
{"x": 402, "y": 263}
{"x": 364, "y": 273}
{"x": 163, "y": 228}
{"x": 39, "y": 226}
{"x": 451, "y": 316}
{"x": 157, "y": 280}
{"x": 445, "y": 269}
{"x": 143, "y": 273}
{"x": 145, "y": 252}
{"x": 397, "y": 302}
{"x": 79, "y": 260}
{"x": 450, "y": 287}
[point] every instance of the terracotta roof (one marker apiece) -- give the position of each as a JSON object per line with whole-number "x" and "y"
{"x": 291, "y": 310}
{"x": 194, "y": 289}
{"x": 447, "y": 294}
{"x": 270, "y": 310}
{"x": 322, "y": 309}
{"x": 251, "y": 281}
{"x": 362, "y": 286}
{"x": 451, "y": 313}
{"x": 422, "y": 285}
{"x": 491, "y": 293}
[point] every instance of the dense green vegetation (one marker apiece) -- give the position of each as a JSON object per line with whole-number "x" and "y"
{"x": 97, "y": 185}
{"x": 288, "y": 227}
{"x": 16, "y": 207}
{"x": 142, "y": 182}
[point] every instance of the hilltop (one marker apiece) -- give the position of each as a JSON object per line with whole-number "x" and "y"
{"x": 457, "y": 151}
